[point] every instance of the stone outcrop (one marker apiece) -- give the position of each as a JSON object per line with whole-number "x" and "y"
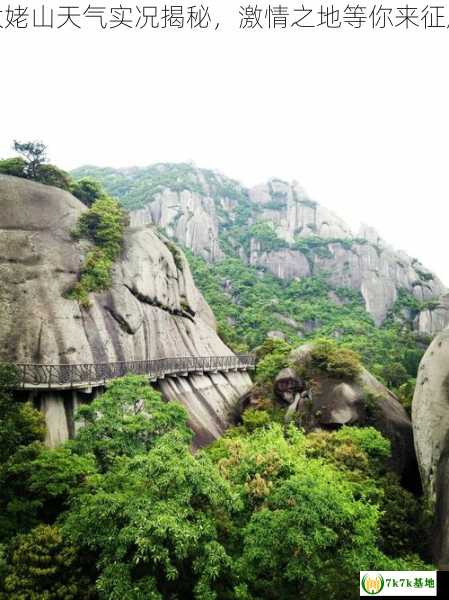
{"x": 430, "y": 414}
{"x": 188, "y": 218}
{"x": 434, "y": 319}
{"x": 362, "y": 401}
{"x": 152, "y": 310}
{"x": 207, "y": 212}
{"x": 283, "y": 263}
{"x": 362, "y": 262}
{"x": 293, "y": 214}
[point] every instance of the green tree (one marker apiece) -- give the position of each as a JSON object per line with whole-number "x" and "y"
{"x": 319, "y": 499}
{"x": 32, "y": 165}
{"x": 153, "y": 520}
{"x": 51, "y": 175}
{"x": 20, "y": 423}
{"x": 13, "y": 166}
{"x": 22, "y": 432}
{"x": 43, "y": 566}
{"x": 126, "y": 420}
{"x": 35, "y": 155}
{"x": 87, "y": 190}
{"x": 272, "y": 360}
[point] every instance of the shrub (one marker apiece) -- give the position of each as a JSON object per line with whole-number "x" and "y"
{"x": 43, "y": 565}
{"x": 87, "y": 190}
{"x": 104, "y": 225}
{"x": 51, "y": 175}
{"x": 329, "y": 358}
{"x": 268, "y": 238}
{"x": 253, "y": 419}
{"x": 270, "y": 365}
{"x": 177, "y": 256}
{"x": 13, "y": 166}
{"x": 369, "y": 440}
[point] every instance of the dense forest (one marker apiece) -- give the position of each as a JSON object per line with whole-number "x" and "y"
{"x": 125, "y": 510}
{"x": 270, "y": 510}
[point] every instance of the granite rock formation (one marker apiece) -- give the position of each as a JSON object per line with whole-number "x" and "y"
{"x": 430, "y": 414}
{"x": 153, "y": 309}
{"x": 207, "y": 213}
{"x": 362, "y": 401}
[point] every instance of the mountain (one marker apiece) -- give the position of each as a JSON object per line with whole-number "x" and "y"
{"x": 277, "y": 229}
{"x": 150, "y": 310}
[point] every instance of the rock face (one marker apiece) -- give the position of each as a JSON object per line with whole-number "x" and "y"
{"x": 430, "y": 414}
{"x": 153, "y": 309}
{"x": 363, "y": 401}
{"x": 434, "y": 319}
{"x": 188, "y": 218}
{"x": 207, "y": 213}
{"x": 363, "y": 262}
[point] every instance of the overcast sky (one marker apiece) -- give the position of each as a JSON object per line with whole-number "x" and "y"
{"x": 359, "y": 118}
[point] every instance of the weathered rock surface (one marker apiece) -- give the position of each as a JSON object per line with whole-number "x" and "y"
{"x": 362, "y": 401}
{"x": 153, "y": 309}
{"x": 284, "y": 263}
{"x": 362, "y": 262}
{"x": 435, "y": 319}
{"x": 430, "y": 415}
{"x": 186, "y": 217}
{"x": 200, "y": 208}
{"x": 294, "y": 214}
{"x": 287, "y": 384}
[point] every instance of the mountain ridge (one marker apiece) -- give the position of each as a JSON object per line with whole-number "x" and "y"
{"x": 277, "y": 228}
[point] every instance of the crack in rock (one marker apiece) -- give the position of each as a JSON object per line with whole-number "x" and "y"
{"x": 186, "y": 314}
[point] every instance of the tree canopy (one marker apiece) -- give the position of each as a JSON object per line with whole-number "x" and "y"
{"x": 126, "y": 510}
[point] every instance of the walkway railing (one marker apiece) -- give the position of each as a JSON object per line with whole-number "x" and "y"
{"x": 35, "y": 376}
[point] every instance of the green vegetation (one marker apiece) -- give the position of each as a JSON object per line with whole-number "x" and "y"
{"x": 87, "y": 190}
{"x": 338, "y": 362}
{"x": 314, "y": 245}
{"x": 32, "y": 165}
{"x": 268, "y": 238}
{"x": 177, "y": 256}
{"x": 137, "y": 186}
{"x": 272, "y": 356}
{"x": 44, "y": 566}
{"x": 127, "y": 511}
{"x": 13, "y": 166}
{"x": 248, "y": 303}
{"x": 103, "y": 225}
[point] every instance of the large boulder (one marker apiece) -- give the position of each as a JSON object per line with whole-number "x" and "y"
{"x": 360, "y": 400}
{"x": 287, "y": 384}
{"x": 152, "y": 310}
{"x": 430, "y": 415}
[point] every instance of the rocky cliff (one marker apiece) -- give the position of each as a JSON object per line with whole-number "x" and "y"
{"x": 276, "y": 228}
{"x": 152, "y": 310}
{"x": 430, "y": 415}
{"x": 360, "y": 401}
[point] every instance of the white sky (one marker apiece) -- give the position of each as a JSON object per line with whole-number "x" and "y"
{"x": 359, "y": 118}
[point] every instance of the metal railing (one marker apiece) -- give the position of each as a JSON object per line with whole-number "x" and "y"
{"x": 35, "y": 376}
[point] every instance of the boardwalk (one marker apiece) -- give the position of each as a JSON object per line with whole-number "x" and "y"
{"x": 79, "y": 376}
